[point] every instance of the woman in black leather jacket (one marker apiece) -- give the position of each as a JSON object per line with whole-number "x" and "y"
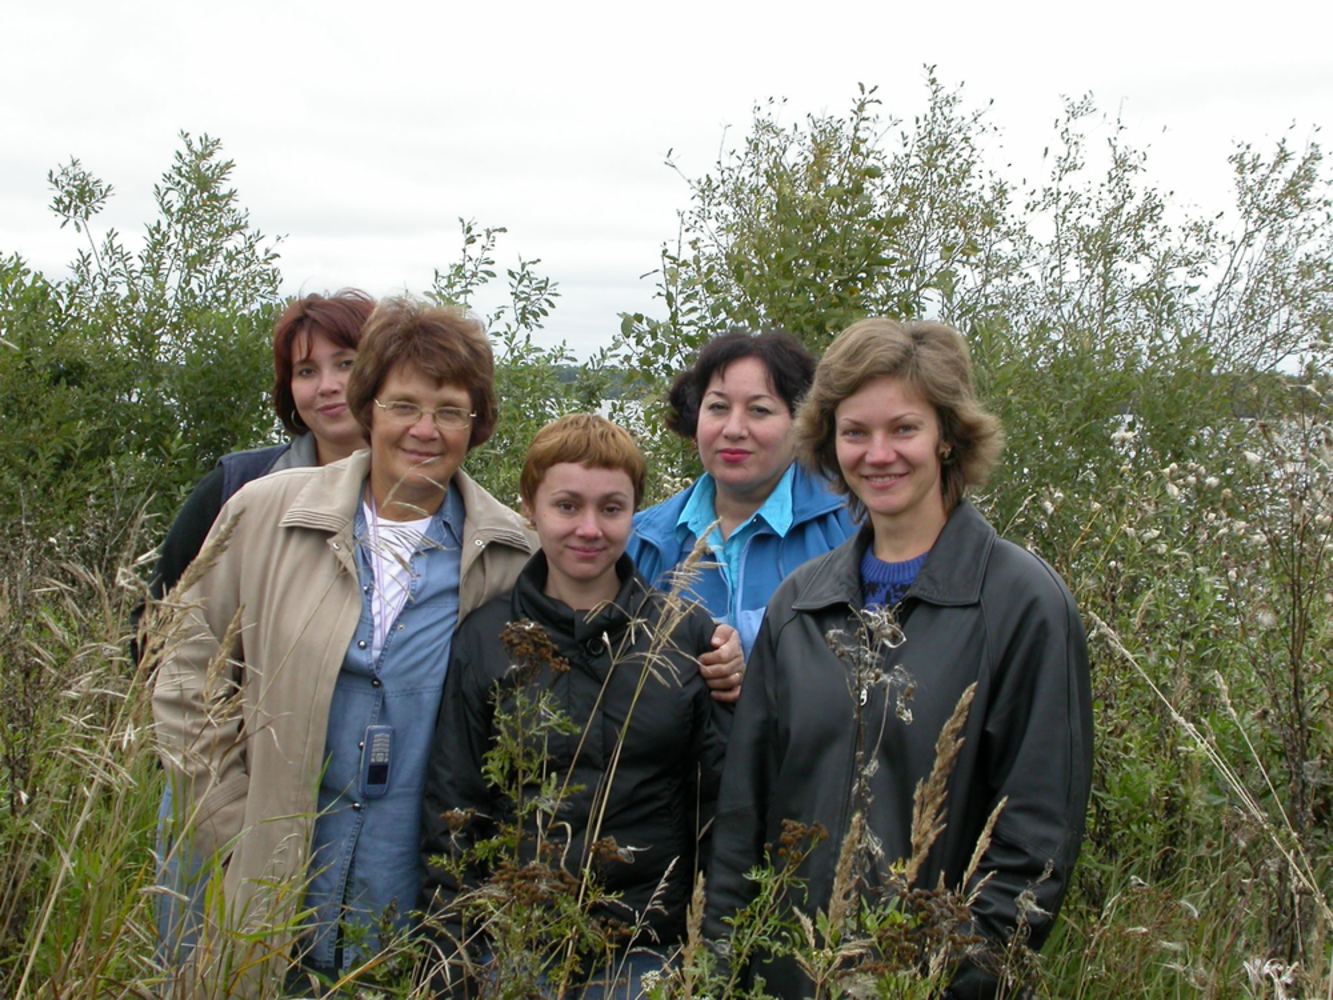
{"x": 893, "y": 420}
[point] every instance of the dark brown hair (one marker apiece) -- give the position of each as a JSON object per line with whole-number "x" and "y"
{"x": 340, "y": 317}
{"x": 790, "y": 368}
{"x": 442, "y": 342}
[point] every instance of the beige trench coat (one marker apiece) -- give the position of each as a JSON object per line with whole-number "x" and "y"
{"x": 242, "y": 729}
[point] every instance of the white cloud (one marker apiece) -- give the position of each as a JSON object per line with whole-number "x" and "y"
{"x": 362, "y": 134}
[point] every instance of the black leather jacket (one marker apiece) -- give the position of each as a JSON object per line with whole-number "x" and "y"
{"x": 982, "y": 610}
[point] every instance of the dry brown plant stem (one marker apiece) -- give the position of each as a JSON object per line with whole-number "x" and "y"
{"x": 929, "y": 798}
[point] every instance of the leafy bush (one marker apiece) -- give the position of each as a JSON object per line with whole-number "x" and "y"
{"x": 134, "y": 375}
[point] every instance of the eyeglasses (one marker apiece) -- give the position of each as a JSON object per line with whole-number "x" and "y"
{"x": 447, "y": 418}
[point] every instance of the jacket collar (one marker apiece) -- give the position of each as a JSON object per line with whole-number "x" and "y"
{"x": 811, "y": 497}
{"x": 302, "y": 453}
{"x": 488, "y": 520}
{"x": 329, "y": 499}
{"x": 530, "y": 602}
{"x": 952, "y": 574}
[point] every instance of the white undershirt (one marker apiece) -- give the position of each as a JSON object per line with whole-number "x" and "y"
{"x": 391, "y": 547}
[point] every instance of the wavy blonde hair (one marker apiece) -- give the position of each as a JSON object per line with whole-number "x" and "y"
{"x": 933, "y": 359}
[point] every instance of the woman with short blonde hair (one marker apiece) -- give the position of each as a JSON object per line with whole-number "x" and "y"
{"x": 642, "y": 773}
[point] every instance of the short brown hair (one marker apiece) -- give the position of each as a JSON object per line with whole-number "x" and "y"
{"x": 930, "y": 357}
{"x": 443, "y": 342}
{"x": 584, "y": 439}
{"x": 340, "y": 317}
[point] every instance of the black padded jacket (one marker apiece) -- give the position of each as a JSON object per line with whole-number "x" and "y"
{"x": 665, "y": 784}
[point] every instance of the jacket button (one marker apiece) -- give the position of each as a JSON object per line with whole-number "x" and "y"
{"x": 376, "y": 682}
{"x": 478, "y": 543}
{"x": 594, "y": 647}
{"x": 361, "y": 644}
{"x": 356, "y": 806}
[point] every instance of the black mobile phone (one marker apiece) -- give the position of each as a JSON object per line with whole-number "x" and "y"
{"x": 376, "y": 760}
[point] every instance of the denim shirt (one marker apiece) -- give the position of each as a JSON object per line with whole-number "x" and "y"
{"x": 366, "y": 848}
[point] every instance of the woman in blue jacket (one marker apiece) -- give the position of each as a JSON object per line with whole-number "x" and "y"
{"x": 762, "y": 514}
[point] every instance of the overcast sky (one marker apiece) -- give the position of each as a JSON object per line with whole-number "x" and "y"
{"x": 362, "y": 133}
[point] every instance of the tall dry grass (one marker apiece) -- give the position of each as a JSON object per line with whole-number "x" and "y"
{"x": 1206, "y": 870}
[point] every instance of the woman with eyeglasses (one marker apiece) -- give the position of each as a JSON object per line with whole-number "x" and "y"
{"x": 315, "y": 342}
{"x": 296, "y": 711}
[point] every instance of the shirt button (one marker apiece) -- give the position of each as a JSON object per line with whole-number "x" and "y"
{"x": 478, "y": 543}
{"x": 376, "y": 682}
{"x": 356, "y": 806}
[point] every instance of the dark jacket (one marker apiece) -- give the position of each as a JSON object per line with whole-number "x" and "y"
{"x": 671, "y": 758}
{"x": 185, "y": 538}
{"x": 982, "y": 610}
{"x": 820, "y": 523}
{"x": 187, "y": 533}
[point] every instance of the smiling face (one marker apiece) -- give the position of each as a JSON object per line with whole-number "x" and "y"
{"x": 744, "y": 432}
{"x": 320, "y": 367}
{"x": 888, "y": 445}
{"x": 584, "y": 517}
{"x": 411, "y": 463}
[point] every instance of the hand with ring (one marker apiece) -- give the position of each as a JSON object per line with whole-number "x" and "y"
{"x": 723, "y": 667}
